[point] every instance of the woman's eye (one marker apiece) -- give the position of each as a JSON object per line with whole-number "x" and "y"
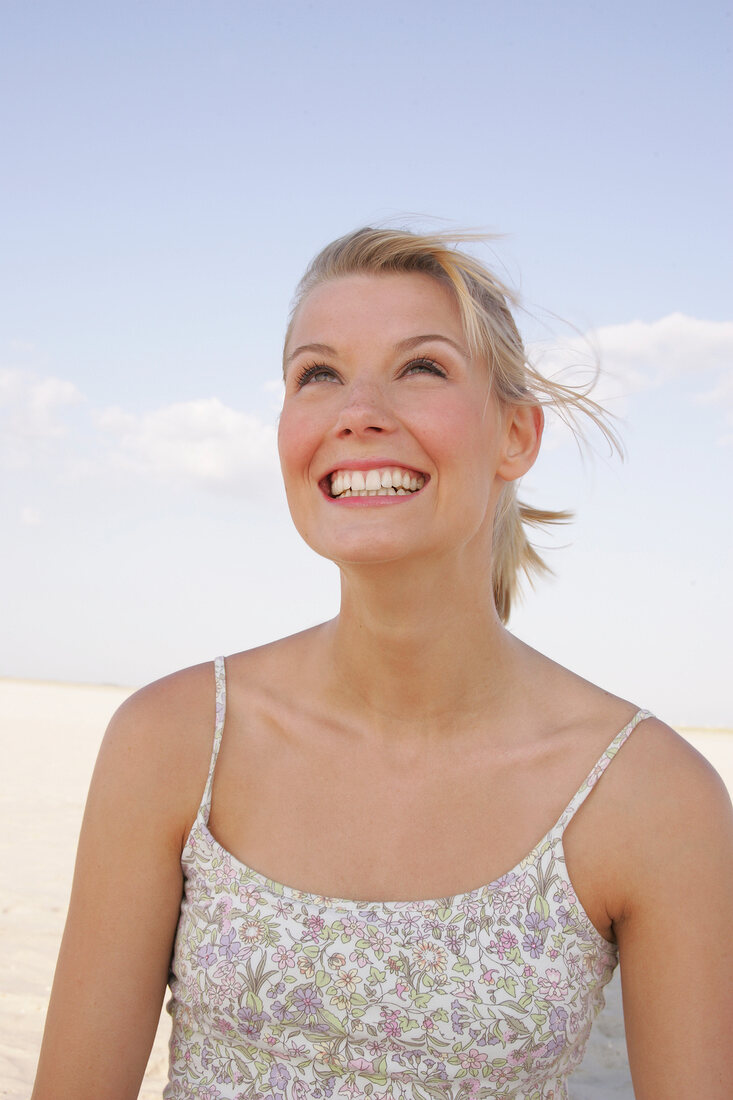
{"x": 424, "y": 366}
{"x": 316, "y": 372}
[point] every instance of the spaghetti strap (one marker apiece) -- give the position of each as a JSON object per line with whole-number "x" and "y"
{"x": 597, "y": 771}
{"x": 221, "y": 707}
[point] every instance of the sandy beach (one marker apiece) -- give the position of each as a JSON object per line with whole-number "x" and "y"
{"x": 49, "y": 735}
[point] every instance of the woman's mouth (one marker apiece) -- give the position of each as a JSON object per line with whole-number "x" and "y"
{"x": 381, "y": 481}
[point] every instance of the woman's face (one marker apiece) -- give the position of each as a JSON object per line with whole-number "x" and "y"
{"x": 390, "y": 442}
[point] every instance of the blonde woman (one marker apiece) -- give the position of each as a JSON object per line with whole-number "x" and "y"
{"x": 421, "y": 846}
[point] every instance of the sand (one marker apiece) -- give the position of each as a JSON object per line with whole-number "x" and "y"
{"x": 49, "y": 736}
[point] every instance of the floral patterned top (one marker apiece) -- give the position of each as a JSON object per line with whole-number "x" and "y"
{"x": 285, "y": 995}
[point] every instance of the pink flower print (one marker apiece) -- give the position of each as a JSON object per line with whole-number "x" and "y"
{"x": 229, "y": 946}
{"x": 225, "y": 873}
{"x": 502, "y": 1075}
{"x": 362, "y": 1064}
{"x": 467, "y": 991}
{"x": 428, "y": 1024}
{"x": 552, "y": 986}
{"x": 471, "y": 1060}
{"x": 359, "y": 958}
{"x": 488, "y": 976}
{"x": 350, "y": 1089}
{"x": 401, "y": 988}
{"x": 352, "y": 927}
{"x": 249, "y": 895}
{"x": 226, "y": 976}
{"x": 502, "y": 903}
{"x": 379, "y": 942}
{"x": 284, "y": 957}
{"x": 430, "y": 956}
{"x": 564, "y": 891}
{"x": 519, "y": 891}
{"x": 209, "y": 1092}
{"x": 315, "y": 927}
{"x": 553, "y": 952}
{"x": 391, "y": 1022}
{"x": 507, "y": 940}
{"x": 529, "y": 971}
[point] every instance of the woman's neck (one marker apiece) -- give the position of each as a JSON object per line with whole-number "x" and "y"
{"x": 418, "y": 648}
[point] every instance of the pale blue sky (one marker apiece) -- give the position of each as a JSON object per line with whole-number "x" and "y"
{"x": 169, "y": 170}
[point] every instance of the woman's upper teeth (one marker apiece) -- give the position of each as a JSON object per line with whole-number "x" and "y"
{"x": 372, "y": 481}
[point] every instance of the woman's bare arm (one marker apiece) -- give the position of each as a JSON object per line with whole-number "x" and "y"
{"x": 676, "y": 931}
{"x": 116, "y": 949}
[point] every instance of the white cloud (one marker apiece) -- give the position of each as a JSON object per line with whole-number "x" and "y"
{"x": 203, "y": 442}
{"x": 644, "y": 355}
{"x": 722, "y": 396}
{"x": 32, "y": 414}
{"x": 30, "y": 517}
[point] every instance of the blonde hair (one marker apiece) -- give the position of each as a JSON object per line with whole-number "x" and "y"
{"x": 492, "y": 334}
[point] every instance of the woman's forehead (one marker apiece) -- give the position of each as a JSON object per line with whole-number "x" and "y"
{"x": 361, "y": 305}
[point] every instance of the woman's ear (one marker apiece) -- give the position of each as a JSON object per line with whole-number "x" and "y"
{"x": 523, "y": 426}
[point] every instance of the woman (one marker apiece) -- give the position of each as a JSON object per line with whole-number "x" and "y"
{"x": 409, "y": 749}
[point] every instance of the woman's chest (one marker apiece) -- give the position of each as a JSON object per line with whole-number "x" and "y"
{"x": 504, "y": 979}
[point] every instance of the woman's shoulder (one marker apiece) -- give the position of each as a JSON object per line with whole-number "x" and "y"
{"x": 658, "y": 777}
{"x": 170, "y": 722}
{"x": 158, "y": 745}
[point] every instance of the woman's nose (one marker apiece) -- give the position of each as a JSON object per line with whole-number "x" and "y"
{"x": 365, "y": 409}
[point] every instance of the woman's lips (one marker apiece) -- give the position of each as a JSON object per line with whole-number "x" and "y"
{"x": 374, "y": 481}
{"x": 362, "y": 481}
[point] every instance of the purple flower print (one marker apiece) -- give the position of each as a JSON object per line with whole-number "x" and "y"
{"x": 558, "y": 1018}
{"x": 279, "y": 1076}
{"x": 250, "y": 1022}
{"x": 556, "y": 1044}
{"x": 229, "y": 946}
{"x": 307, "y": 1000}
{"x": 279, "y": 1010}
{"x": 536, "y": 923}
{"x": 206, "y": 954}
{"x": 534, "y": 945}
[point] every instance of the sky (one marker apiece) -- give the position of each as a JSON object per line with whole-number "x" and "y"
{"x": 170, "y": 169}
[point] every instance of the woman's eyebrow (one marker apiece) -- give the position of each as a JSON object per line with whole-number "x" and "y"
{"x": 413, "y": 341}
{"x": 318, "y": 349}
{"x": 407, "y": 344}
